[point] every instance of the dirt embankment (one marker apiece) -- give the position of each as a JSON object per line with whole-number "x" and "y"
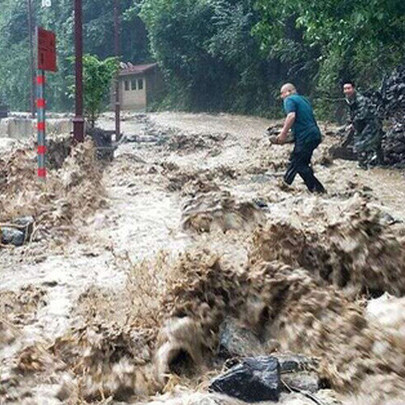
{"x": 71, "y": 193}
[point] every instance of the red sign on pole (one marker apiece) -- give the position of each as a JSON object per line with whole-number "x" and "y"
{"x": 46, "y": 50}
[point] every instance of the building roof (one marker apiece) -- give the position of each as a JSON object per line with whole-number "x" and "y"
{"x": 130, "y": 69}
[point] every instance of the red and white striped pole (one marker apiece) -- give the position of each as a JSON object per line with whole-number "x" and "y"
{"x": 41, "y": 124}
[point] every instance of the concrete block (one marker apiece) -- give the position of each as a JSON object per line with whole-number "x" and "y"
{"x": 59, "y": 126}
{"x": 16, "y": 128}
{"x": 25, "y": 127}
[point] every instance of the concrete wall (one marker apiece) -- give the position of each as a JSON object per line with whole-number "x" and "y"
{"x": 16, "y": 128}
{"x": 22, "y": 128}
{"x": 59, "y": 126}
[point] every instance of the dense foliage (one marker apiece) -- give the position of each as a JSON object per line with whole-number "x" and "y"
{"x": 233, "y": 54}
{"x": 216, "y": 55}
{"x": 209, "y": 56}
{"x": 98, "y": 40}
{"x": 357, "y": 39}
{"x": 97, "y": 83}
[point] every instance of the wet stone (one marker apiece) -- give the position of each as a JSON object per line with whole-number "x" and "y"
{"x": 26, "y": 225}
{"x": 236, "y": 341}
{"x": 302, "y": 381}
{"x": 255, "y": 379}
{"x": 18, "y": 232}
{"x": 11, "y": 236}
{"x": 294, "y": 362}
{"x": 387, "y": 219}
{"x": 261, "y": 178}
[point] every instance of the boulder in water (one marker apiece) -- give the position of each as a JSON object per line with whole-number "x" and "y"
{"x": 11, "y": 236}
{"x": 255, "y": 379}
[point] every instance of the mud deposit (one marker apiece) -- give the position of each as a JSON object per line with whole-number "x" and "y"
{"x": 137, "y": 269}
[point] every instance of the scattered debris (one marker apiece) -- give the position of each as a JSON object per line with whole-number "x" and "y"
{"x": 268, "y": 287}
{"x": 255, "y": 379}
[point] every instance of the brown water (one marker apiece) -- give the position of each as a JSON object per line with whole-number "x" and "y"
{"x": 195, "y": 190}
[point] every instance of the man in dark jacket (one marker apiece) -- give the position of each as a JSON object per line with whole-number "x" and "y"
{"x": 367, "y": 127}
{"x": 307, "y": 136}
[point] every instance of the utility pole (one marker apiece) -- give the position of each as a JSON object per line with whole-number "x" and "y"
{"x": 31, "y": 40}
{"x": 78, "y": 120}
{"x": 117, "y": 82}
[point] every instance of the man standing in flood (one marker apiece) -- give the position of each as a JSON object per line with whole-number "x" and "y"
{"x": 364, "y": 121}
{"x": 307, "y": 136}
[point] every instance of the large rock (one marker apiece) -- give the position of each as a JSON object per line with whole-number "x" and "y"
{"x": 11, "y": 236}
{"x": 298, "y": 372}
{"x": 294, "y": 362}
{"x": 236, "y": 341}
{"x": 255, "y": 379}
{"x": 303, "y": 381}
{"x": 18, "y": 232}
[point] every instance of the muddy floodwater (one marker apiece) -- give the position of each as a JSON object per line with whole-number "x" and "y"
{"x": 136, "y": 265}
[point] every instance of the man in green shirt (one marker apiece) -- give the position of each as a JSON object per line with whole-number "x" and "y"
{"x": 307, "y": 136}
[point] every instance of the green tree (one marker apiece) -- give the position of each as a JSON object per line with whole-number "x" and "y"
{"x": 178, "y": 31}
{"x": 217, "y": 54}
{"x": 97, "y": 79}
{"x": 209, "y": 56}
{"x": 253, "y": 74}
{"x": 362, "y": 39}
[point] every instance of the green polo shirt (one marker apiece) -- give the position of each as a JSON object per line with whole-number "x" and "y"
{"x": 305, "y": 128}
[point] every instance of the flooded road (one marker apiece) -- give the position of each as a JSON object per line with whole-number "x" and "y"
{"x": 186, "y": 183}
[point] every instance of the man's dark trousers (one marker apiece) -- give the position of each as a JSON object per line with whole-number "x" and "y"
{"x": 300, "y": 161}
